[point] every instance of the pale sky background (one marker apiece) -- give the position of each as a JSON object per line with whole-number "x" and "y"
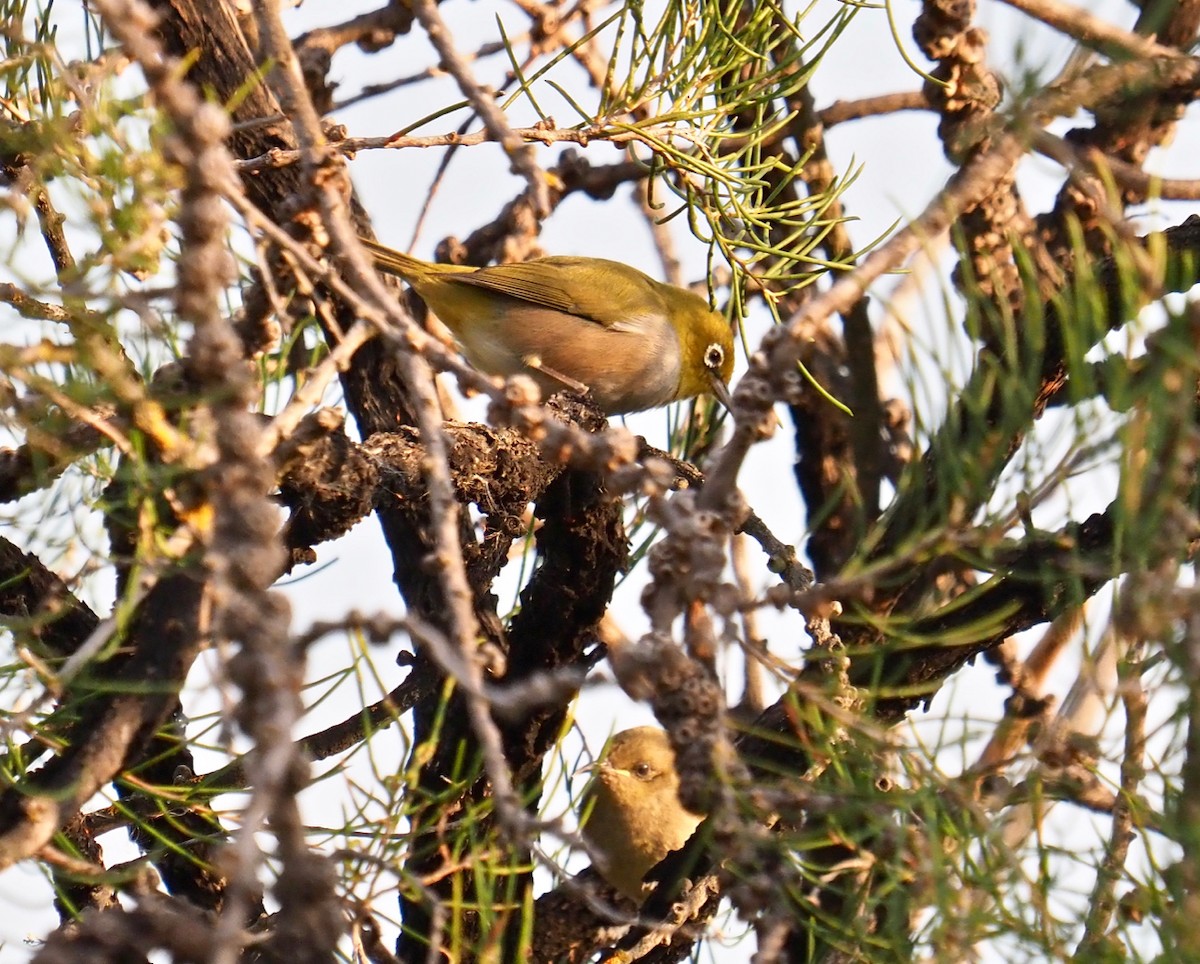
{"x": 902, "y": 169}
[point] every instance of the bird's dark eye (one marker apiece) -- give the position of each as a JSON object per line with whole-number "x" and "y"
{"x": 714, "y": 357}
{"x": 643, "y": 771}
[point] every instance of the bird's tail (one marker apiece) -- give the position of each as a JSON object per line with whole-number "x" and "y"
{"x": 405, "y": 265}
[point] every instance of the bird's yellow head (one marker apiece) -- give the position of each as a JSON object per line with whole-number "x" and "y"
{"x": 706, "y": 340}
{"x": 639, "y": 763}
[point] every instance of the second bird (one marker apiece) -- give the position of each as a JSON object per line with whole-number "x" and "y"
{"x": 632, "y": 817}
{"x": 580, "y": 323}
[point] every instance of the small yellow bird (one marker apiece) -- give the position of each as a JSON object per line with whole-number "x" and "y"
{"x": 632, "y": 817}
{"x": 580, "y": 323}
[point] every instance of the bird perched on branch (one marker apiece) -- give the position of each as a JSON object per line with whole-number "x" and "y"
{"x": 632, "y": 817}
{"x": 586, "y": 324}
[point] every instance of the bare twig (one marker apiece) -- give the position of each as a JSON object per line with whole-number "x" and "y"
{"x": 521, "y": 155}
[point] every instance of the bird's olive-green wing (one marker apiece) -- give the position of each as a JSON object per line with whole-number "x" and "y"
{"x": 606, "y": 292}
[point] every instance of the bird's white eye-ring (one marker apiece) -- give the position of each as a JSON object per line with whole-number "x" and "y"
{"x": 714, "y": 357}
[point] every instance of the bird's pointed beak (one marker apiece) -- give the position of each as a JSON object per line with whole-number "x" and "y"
{"x": 596, "y": 766}
{"x": 721, "y": 391}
